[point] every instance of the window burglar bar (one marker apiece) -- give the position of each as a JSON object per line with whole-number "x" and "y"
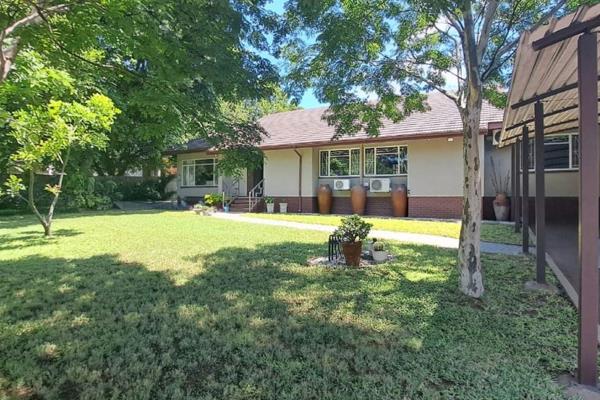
{"x": 333, "y": 251}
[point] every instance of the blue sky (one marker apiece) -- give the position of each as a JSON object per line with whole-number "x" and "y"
{"x": 308, "y": 100}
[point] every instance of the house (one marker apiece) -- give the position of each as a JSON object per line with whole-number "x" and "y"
{"x": 423, "y": 152}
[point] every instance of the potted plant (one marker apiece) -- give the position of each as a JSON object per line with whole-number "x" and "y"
{"x": 500, "y": 185}
{"x": 226, "y": 202}
{"x": 201, "y": 209}
{"x": 379, "y": 254}
{"x": 283, "y": 208}
{"x": 371, "y": 244}
{"x": 270, "y": 202}
{"x": 352, "y": 231}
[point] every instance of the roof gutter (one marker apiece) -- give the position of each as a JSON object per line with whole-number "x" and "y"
{"x": 299, "y": 180}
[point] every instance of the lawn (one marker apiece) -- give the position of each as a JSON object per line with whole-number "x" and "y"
{"x": 490, "y": 232}
{"x": 172, "y": 305}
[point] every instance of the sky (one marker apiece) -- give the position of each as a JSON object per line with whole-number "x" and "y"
{"x": 308, "y": 100}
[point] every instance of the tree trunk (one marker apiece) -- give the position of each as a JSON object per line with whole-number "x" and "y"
{"x": 47, "y": 229}
{"x": 469, "y": 249}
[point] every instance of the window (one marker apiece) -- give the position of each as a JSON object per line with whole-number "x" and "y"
{"x": 560, "y": 152}
{"x": 339, "y": 162}
{"x": 199, "y": 172}
{"x": 386, "y": 160}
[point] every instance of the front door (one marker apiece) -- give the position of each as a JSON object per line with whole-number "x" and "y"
{"x": 254, "y": 177}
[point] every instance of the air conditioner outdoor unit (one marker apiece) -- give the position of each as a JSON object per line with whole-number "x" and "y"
{"x": 379, "y": 185}
{"x": 341, "y": 184}
{"x": 496, "y": 138}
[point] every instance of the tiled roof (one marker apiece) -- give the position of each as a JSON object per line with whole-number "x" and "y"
{"x": 304, "y": 127}
{"x": 307, "y": 127}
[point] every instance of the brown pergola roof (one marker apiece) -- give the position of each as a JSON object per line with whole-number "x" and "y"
{"x": 547, "y": 74}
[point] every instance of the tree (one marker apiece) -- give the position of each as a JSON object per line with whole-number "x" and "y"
{"x": 167, "y": 64}
{"x": 46, "y": 137}
{"x": 396, "y": 50}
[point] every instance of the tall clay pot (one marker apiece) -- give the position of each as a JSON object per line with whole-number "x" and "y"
{"x": 400, "y": 201}
{"x": 501, "y": 207}
{"x": 358, "y": 197}
{"x": 325, "y": 198}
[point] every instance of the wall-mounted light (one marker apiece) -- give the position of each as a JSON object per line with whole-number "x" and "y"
{"x": 451, "y": 139}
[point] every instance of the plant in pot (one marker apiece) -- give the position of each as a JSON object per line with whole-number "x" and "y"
{"x": 379, "y": 254}
{"x": 270, "y": 203}
{"x": 351, "y": 232}
{"x": 371, "y": 244}
{"x": 500, "y": 184}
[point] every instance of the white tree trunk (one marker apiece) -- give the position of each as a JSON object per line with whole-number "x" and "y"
{"x": 469, "y": 250}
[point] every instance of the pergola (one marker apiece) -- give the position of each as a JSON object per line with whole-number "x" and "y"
{"x": 555, "y": 89}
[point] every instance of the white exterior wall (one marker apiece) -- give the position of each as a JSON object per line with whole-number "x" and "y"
{"x": 435, "y": 167}
{"x": 281, "y": 172}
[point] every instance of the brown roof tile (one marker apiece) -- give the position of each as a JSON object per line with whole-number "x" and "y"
{"x": 307, "y": 127}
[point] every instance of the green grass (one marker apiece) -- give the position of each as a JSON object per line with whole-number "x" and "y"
{"x": 490, "y": 232}
{"x": 173, "y": 305}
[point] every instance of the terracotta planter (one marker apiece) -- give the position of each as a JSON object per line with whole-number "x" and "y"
{"x": 501, "y": 199}
{"x": 325, "y": 198}
{"x": 502, "y": 212}
{"x": 358, "y": 197}
{"x": 501, "y": 207}
{"x": 352, "y": 252}
{"x": 400, "y": 201}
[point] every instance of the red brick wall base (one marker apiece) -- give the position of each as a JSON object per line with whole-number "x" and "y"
{"x": 435, "y": 207}
{"x": 418, "y": 207}
{"x": 309, "y": 204}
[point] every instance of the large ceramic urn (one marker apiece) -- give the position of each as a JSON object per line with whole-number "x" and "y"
{"x": 501, "y": 207}
{"x": 324, "y": 198}
{"x": 400, "y": 201}
{"x": 358, "y": 198}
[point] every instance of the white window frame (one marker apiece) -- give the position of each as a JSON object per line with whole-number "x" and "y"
{"x": 532, "y": 156}
{"x": 349, "y": 150}
{"x": 193, "y": 165}
{"x": 397, "y": 146}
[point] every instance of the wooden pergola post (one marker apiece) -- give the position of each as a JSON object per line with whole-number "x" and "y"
{"x": 525, "y": 195}
{"x": 540, "y": 196}
{"x": 517, "y": 187}
{"x": 587, "y": 55}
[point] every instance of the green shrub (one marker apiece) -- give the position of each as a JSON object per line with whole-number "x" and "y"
{"x": 213, "y": 199}
{"x": 353, "y": 229}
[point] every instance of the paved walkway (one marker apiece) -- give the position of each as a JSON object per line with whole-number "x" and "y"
{"x": 415, "y": 238}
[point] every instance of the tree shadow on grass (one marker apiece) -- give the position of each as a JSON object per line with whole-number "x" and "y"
{"x": 22, "y": 239}
{"x": 252, "y": 323}
{"x": 22, "y": 220}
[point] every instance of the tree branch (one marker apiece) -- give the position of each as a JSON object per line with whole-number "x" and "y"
{"x": 508, "y": 47}
{"x": 34, "y": 17}
{"x": 486, "y": 28}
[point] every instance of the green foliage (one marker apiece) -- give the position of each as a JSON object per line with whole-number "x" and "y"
{"x": 378, "y": 246}
{"x": 213, "y": 199}
{"x": 394, "y": 51}
{"x": 147, "y": 189}
{"x": 44, "y": 134}
{"x": 118, "y": 305}
{"x": 353, "y": 229}
{"x": 269, "y": 200}
{"x": 13, "y": 186}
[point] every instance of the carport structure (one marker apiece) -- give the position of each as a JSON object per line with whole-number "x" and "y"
{"x": 555, "y": 89}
